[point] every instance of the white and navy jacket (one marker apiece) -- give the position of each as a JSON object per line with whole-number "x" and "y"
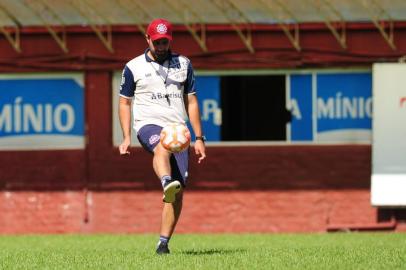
{"x": 158, "y": 89}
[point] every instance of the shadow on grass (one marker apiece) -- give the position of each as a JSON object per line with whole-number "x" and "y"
{"x": 212, "y": 251}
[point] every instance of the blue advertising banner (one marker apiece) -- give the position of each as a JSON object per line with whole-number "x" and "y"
{"x": 41, "y": 113}
{"x": 331, "y": 107}
{"x": 344, "y": 106}
{"x": 301, "y": 107}
{"x": 208, "y": 91}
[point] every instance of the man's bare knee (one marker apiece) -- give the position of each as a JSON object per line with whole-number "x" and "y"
{"x": 159, "y": 149}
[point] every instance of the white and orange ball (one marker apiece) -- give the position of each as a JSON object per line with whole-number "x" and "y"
{"x": 175, "y": 137}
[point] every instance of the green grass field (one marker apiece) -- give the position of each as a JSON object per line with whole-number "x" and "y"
{"x": 215, "y": 251}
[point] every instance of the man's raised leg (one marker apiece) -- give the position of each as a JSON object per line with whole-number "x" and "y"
{"x": 172, "y": 197}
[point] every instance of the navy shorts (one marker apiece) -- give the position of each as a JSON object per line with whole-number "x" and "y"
{"x": 149, "y": 136}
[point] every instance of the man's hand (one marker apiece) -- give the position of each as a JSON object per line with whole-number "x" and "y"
{"x": 200, "y": 149}
{"x": 123, "y": 148}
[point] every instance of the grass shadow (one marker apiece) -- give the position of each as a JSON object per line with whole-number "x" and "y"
{"x": 194, "y": 252}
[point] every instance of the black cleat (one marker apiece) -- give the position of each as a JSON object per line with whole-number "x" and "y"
{"x": 162, "y": 249}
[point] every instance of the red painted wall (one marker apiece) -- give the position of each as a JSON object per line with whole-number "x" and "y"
{"x": 245, "y": 189}
{"x": 319, "y": 48}
{"x": 227, "y": 211}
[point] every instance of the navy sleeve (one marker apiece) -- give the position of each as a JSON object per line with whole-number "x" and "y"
{"x": 127, "y": 86}
{"x": 190, "y": 80}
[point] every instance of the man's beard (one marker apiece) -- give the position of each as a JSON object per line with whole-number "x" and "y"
{"x": 161, "y": 57}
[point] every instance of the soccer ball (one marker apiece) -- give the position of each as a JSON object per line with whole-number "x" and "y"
{"x": 175, "y": 137}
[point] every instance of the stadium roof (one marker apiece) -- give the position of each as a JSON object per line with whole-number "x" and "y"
{"x": 196, "y": 14}
{"x": 86, "y": 12}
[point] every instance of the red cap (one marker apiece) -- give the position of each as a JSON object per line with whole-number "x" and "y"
{"x": 159, "y": 28}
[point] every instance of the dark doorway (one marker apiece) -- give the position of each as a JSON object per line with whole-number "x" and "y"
{"x": 253, "y": 108}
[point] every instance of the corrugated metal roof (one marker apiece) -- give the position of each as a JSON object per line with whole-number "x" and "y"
{"x": 85, "y": 12}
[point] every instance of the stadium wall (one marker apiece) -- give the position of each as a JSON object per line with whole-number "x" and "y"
{"x": 276, "y": 188}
